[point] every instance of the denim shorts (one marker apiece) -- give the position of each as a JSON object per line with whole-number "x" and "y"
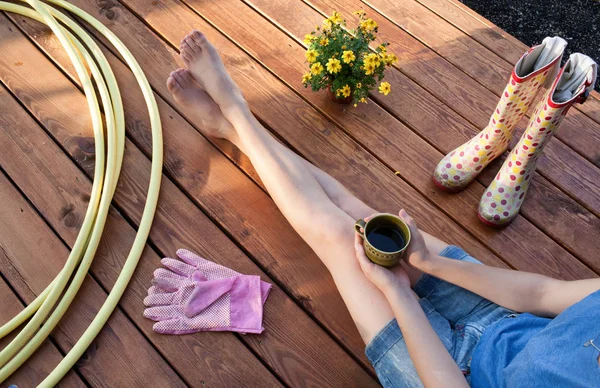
{"x": 458, "y": 316}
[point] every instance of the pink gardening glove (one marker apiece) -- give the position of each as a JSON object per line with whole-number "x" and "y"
{"x": 185, "y": 299}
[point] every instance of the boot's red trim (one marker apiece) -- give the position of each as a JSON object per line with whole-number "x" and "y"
{"x": 541, "y": 70}
{"x": 580, "y": 98}
{"x": 488, "y": 223}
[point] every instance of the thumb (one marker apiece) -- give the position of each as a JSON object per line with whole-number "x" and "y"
{"x": 412, "y": 225}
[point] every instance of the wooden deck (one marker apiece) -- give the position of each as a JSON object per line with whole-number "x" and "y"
{"x": 453, "y": 66}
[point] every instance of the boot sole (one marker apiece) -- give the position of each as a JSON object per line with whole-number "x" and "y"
{"x": 444, "y": 188}
{"x": 497, "y": 226}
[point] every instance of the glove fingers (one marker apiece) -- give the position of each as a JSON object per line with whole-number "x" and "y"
{"x": 162, "y": 313}
{"x": 156, "y": 290}
{"x": 189, "y": 257}
{"x": 173, "y": 326}
{"x": 178, "y": 266}
{"x": 164, "y": 273}
{"x": 159, "y": 299}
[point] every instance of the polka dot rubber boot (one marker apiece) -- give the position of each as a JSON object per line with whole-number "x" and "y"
{"x": 460, "y": 167}
{"x": 502, "y": 200}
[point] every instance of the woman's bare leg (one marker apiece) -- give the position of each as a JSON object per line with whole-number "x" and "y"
{"x": 200, "y": 107}
{"x": 306, "y": 195}
{"x": 326, "y": 228}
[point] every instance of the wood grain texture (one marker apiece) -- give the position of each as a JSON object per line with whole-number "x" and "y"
{"x": 120, "y": 356}
{"x": 263, "y": 229}
{"x": 284, "y": 345}
{"x": 379, "y": 132}
{"x": 410, "y": 15}
{"x": 44, "y": 360}
{"x": 61, "y": 198}
{"x": 437, "y": 123}
{"x": 155, "y": 18}
{"x": 497, "y": 40}
{"x": 153, "y": 12}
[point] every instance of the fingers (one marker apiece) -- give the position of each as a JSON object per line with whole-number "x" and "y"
{"x": 189, "y": 257}
{"x": 163, "y": 273}
{"x": 178, "y": 266}
{"x": 173, "y": 326}
{"x": 412, "y": 225}
{"x": 363, "y": 260}
{"x": 159, "y": 299}
{"x": 161, "y": 313}
{"x": 167, "y": 280}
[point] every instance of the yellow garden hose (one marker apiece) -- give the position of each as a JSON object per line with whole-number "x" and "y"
{"x": 103, "y": 189}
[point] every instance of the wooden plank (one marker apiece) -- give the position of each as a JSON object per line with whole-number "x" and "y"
{"x": 263, "y": 230}
{"x": 301, "y": 141}
{"x": 43, "y": 361}
{"x": 265, "y": 43}
{"x": 412, "y": 15}
{"x": 177, "y": 224}
{"x": 381, "y": 132}
{"x": 120, "y": 356}
{"x": 61, "y": 199}
{"x": 495, "y": 39}
{"x": 427, "y": 122}
{"x": 342, "y": 175}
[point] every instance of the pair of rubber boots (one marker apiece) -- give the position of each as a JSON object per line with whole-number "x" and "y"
{"x": 537, "y": 67}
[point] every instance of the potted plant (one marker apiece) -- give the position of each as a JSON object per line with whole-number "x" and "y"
{"x": 341, "y": 61}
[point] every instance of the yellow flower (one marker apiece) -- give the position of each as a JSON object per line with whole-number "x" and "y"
{"x": 385, "y": 88}
{"x": 368, "y": 25}
{"x": 324, "y": 41}
{"x": 316, "y": 68}
{"x": 377, "y": 61}
{"x": 345, "y": 91}
{"x": 326, "y": 24}
{"x": 358, "y": 85}
{"x": 344, "y": 47}
{"x": 308, "y": 38}
{"x": 360, "y": 13}
{"x": 333, "y": 65}
{"x": 363, "y": 100}
{"x": 336, "y": 18}
{"x": 348, "y": 56}
{"x": 382, "y": 48}
{"x": 306, "y": 77}
{"x": 311, "y": 55}
{"x": 370, "y": 59}
{"x": 391, "y": 59}
{"x": 369, "y": 68}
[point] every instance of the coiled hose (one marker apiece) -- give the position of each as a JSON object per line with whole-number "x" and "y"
{"x": 44, "y": 311}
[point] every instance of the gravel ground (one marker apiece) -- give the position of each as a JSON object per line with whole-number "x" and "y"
{"x": 577, "y": 21}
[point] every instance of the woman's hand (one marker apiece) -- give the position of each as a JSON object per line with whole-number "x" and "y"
{"x": 383, "y": 278}
{"x": 417, "y": 253}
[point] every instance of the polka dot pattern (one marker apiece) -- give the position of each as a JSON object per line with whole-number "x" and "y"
{"x": 457, "y": 169}
{"x": 502, "y": 200}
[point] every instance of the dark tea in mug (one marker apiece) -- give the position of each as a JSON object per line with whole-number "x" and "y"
{"x": 385, "y": 238}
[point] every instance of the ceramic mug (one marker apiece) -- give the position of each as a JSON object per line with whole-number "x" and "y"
{"x": 389, "y": 223}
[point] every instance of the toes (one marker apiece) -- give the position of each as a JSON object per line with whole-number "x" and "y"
{"x": 198, "y": 37}
{"x": 190, "y": 45}
{"x": 186, "y": 51}
{"x": 172, "y": 83}
{"x": 186, "y": 76}
{"x": 179, "y": 79}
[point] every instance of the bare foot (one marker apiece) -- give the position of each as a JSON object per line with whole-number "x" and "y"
{"x": 203, "y": 61}
{"x": 198, "y": 105}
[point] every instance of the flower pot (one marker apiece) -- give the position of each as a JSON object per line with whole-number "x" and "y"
{"x": 339, "y": 100}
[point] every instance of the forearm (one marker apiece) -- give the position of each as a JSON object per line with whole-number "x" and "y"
{"x": 433, "y": 363}
{"x": 516, "y": 290}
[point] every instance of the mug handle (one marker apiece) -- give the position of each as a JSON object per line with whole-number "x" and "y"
{"x": 360, "y": 224}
